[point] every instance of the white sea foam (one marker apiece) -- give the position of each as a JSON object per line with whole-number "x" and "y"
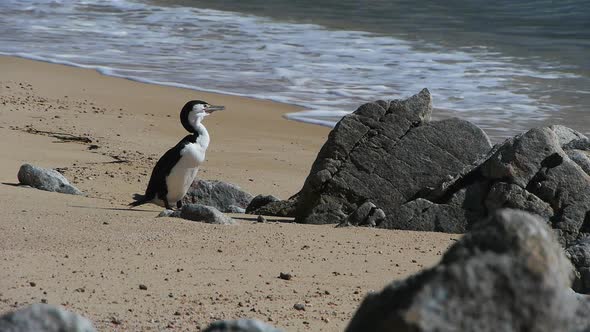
{"x": 329, "y": 72}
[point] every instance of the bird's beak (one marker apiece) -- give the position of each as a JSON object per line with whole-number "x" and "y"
{"x": 211, "y": 108}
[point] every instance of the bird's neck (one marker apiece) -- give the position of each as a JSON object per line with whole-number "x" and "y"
{"x": 202, "y": 135}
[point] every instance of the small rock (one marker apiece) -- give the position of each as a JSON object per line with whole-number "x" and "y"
{"x": 169, "y": 213}
{"x": 579, "y": 255}
{"x": 261, "y": 218}
{"x": 33, "y": 284}
{"x": 260, "y": 201}
{"x": 241, "y": 325}
{"x": 204, "y": 213}
{"x": 142, "y": 287}
{"x": 235, "y": 209}
{"x": 299, "y": 306}
{"x": 271, "y": 206}
{"x": 46, "y": 179}
{"x": 285, "y": 276}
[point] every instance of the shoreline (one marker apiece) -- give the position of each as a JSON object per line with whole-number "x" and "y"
{"x": 104, "y": 72}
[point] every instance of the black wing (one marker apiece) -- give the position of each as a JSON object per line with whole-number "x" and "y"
{"x": 157, "y": 184}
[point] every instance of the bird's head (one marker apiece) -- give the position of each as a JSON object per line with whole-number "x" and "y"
{"x": 193, "y": 113}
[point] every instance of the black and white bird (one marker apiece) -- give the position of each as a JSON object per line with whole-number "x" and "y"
{"x": 178, "y": 167}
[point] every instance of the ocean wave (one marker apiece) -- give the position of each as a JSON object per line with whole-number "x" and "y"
{"x": 329, "y": 72}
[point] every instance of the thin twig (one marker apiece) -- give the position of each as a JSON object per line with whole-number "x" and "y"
{"x": 61, "y": 136}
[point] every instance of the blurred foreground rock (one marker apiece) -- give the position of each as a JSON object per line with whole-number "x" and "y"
{"x": 44, "y": 318}
{"x": 508, "y": 274}
{"x": 241, "y": 325}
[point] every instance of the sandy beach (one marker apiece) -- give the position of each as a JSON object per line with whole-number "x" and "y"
{"x": 90, "y": 254}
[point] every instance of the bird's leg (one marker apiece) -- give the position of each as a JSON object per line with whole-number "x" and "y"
{"x": 166, "y": 204}
{"x": 179, "y": 204}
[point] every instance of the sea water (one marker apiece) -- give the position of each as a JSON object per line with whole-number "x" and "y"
{"x": 504, "y": 65}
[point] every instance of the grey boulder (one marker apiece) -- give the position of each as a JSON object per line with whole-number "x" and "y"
{"x": 200, "y": 213}
{"x": 45, "y": 179}
{"x": 533, "y": 172}
{"x": 508, "y": 274}
{"x": 225, "y": 197}
{"x": 44, "y": 318}
{"x": 423, "y": 215}
{"x": 386, "y": 153}
{"x": 241, "y": 325}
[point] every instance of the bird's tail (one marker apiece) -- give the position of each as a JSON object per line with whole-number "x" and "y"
{"x": 140, "y": 200}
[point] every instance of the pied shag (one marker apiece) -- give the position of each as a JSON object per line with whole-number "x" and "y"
{"x": 177, "y": 168}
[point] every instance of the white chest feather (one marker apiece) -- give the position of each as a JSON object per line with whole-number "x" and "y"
{"x": 184, "y": 172}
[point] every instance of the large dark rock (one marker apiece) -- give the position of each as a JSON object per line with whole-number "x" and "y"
{"x": 386, "y": 153}
{"x": 533, "y": 172}
{"x": 226, "y": 197}
{"x": 508, "y": 274}
{"x": 423, "y": 215}
{"x": 44, "y": 318}
{"x": 45, "y": 179}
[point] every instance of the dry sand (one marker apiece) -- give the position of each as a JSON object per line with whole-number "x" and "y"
{"x": 90, "y": 254}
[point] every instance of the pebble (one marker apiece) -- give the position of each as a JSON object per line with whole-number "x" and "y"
{"x": 33, "y": 284}
{"x": 261, "y": 219}
{"x": 142, "y": 287}
{"x": 299, "y": 306}
{"x": 285, "y": 276}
